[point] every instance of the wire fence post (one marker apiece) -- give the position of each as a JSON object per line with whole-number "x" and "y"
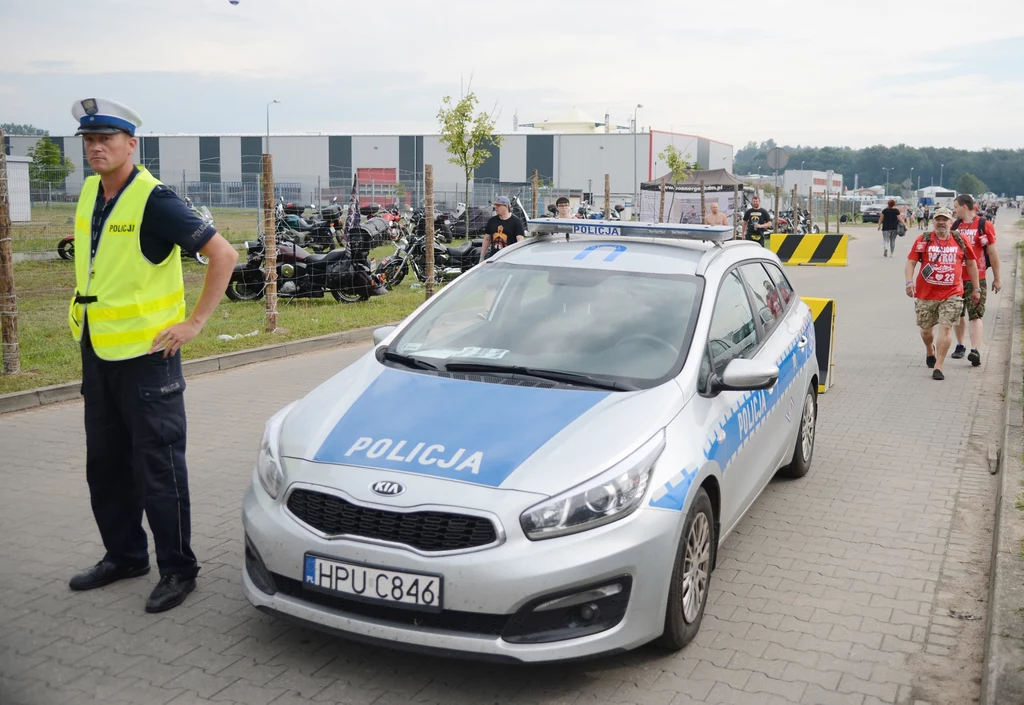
{"x": 429, "y": 218}
{"x": 269, "y": 243}
{"x": 796, "y": 209}
{"x": 534, "y": 181}
{"x": 607, "y": 196}
{"x": 810, "y": 209}
{"x": 828, "y": 198}
{"x": 8, "y": 300}
{"x": 736, "y": 205}
{"x": 703, "y": 211}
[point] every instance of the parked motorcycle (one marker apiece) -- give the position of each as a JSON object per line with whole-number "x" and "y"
{"x": 344, "y": 273}
{"x": 449, "y": 262}
{"x": 318, "y": 234}
{"x": 66, "y": 247}
{"x": 442, "y": 226}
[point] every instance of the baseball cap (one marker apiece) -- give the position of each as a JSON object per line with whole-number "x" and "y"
{"x": 101, "y": 116}
{"x": 943, "y": 213}
{"x": 503, "y": 201}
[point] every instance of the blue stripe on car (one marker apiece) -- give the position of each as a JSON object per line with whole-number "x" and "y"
{"x": 737, "y": 425}
{"x": 462, "y": 430}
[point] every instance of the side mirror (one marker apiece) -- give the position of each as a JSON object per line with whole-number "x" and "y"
{"x": 746, "y": 376}
{"x": 381, "y": 333}
{"x": 552, "y": 209}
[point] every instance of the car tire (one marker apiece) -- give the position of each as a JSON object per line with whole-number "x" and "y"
{"x": 691, "y": 575}
{"x": 803, "y": 453}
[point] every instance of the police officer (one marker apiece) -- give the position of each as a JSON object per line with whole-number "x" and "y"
{"x": 128, "y": 315}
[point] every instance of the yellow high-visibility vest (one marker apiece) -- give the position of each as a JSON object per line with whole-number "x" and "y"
{"x": 127, "y": 298}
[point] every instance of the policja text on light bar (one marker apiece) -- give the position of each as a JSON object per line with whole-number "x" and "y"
{"x": 618, "y": 228}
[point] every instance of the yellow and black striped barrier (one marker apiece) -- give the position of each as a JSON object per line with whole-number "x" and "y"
{"x": 815, "y": 249}
{"x": 824, "y": 312}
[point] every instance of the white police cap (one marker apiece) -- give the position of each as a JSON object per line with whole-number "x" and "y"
{"x": 101, "y": 116}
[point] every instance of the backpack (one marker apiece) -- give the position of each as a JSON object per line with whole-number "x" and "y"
{"x": 982, "y": 222}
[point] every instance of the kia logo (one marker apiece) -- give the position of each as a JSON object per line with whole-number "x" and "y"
{"x": 387, "y": 488}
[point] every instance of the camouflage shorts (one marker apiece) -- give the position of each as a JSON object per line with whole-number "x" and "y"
{"x": 970, "y": 309}
{"x": 945, "y": 312}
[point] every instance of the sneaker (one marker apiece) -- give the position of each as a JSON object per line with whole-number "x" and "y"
{"x": 975, "y": 357}
{"x": 885, "y": 252}
{"x": 959, "y": 352}
{"x": 937, "y": 374}
{"x": 930, "y": 361}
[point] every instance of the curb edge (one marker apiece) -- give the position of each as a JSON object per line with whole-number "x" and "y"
{"x": 29, "y": 399}
{"x": 1002, "y": 680}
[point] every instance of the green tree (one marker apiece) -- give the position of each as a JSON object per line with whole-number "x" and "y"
{"x": 13, "y": 128}
{"x": 466, "y": 135}
{"x": 401, "y": 192}
{"x": 969, "y": 183}
{"x": 49, "y": 167}
{"x": 680, "y": 167}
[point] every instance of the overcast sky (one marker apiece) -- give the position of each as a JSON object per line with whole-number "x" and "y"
{"x": 821, "y": 72}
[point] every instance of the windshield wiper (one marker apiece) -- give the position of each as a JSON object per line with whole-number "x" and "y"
{"x": 409, "y": 361}
{"x": 552, "y": 375}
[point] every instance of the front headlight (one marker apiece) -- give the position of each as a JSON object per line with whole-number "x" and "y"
{"x": 610, "y": 496}
{"x": 268, "y": 462}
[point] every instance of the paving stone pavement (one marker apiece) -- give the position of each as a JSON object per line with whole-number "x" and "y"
{"x": 836, "y": 588}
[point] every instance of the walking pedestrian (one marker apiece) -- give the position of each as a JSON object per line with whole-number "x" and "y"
{"x": 938, "y": 289}
{"x": 502, "y": 230}
{"x": 979, "y": 233}
{"x": 128, "y": 316}
{"x": 889, "y": 223}
{"x": 756, "y": 220}
{"x": 927, "y": 217}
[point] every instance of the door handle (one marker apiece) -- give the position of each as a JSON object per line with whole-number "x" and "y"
{"x": 803, "y": 342}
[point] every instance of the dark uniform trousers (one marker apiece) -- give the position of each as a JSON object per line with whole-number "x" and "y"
{"x": 135, "y": 458}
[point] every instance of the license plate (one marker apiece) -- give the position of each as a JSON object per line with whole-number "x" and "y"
{"x": 363, "y": 582}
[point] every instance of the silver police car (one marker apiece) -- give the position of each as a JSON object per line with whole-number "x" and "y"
{"x": 541, "y": 462}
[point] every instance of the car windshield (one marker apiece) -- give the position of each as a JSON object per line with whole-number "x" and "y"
{"x": 631, "y": 329}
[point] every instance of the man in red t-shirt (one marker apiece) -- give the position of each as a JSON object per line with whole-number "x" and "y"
{"x": 939, "y": 287}
{"x": 966, "y": 211}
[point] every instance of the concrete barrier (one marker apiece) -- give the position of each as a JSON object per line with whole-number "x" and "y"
{"x": 816, "y": 249}
{"x": 824, "y": 312}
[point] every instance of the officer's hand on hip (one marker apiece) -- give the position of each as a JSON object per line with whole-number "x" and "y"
{"x": 171, "y": 339}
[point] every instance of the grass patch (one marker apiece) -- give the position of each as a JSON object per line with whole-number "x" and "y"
{"x": 51, "y": 224}
{"x": 50, "y": 356}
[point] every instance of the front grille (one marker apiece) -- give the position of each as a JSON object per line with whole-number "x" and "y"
{"x": 448, "y": 620}
{"x": 426, "y": 531}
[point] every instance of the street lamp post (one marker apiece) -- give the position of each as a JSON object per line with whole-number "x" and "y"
{"x": 885, "y": 187}
{"x": 941, "y": 167}
{"x": 801, "y": 166}
{"x": 636, "y": 181}
{"x": 275, "y": 100}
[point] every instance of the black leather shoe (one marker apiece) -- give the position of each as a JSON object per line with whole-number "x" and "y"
{"x": 169, "y": 592}
{"x": 104, "y": 573}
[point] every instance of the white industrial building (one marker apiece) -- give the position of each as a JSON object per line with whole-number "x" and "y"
{"x": 815, "y": 181}
{"x": 226, "y": 168}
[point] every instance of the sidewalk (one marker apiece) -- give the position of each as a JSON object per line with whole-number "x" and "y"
{"x": 836, "y": 588}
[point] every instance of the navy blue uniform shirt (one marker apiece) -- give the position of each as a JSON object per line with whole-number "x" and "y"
{"x": 166, "y": 222}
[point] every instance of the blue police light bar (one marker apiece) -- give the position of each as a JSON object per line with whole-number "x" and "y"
{"x": 625, "y": 228}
